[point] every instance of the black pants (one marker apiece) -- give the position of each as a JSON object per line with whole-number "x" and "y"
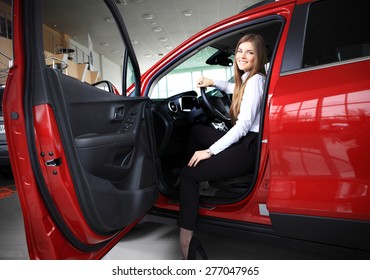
{"x": 237, "y": 160}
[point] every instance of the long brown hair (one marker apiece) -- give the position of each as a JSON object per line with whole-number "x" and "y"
{"x": 259, "y": 67}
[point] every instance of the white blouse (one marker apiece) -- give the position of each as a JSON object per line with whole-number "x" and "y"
{"x": 250, "y": 110}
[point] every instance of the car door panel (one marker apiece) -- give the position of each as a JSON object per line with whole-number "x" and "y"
{"x": 105, "y": 145}
{"x": 116, "y": 161}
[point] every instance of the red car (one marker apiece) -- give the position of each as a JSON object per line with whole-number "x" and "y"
{"x": 89, "y": 165}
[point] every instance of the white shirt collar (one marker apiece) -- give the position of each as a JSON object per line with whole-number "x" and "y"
{"x": 245, "y": 76}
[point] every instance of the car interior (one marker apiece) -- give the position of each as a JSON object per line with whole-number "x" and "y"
{"x": 175, "y": 115}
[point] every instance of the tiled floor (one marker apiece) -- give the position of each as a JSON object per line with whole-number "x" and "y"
{"x": 12, "y": 238}
{"x": 147, "y": 241}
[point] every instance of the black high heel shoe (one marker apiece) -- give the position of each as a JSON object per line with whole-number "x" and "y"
{"x": 194, "y": 247}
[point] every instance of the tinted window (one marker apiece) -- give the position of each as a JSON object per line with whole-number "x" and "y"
{"x": 337, "y": 30}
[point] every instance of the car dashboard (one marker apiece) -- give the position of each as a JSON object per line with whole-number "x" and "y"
{"x": 173, "y": 118}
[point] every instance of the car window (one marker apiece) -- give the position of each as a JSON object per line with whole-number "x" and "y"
{"x": 130, "y": 76}
{"x": 336, "y": 31}
{"x": 184, "y": 76}
{"x": 83, "y": 48}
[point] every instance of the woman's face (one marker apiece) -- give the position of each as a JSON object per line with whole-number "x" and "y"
{"x": 245, "y": 56}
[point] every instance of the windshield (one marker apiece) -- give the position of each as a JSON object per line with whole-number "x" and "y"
{"x": 183, "y": 77}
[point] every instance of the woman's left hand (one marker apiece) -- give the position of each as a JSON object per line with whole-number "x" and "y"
{"x": 198, "y": 156}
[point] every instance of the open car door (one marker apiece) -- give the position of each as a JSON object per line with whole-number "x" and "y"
{"x": 83, "y": 159}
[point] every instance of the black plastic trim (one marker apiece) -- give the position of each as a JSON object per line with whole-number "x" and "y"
{"x": 206, "y": 222}
{"x": 346, "y": 233}
{"x": 293, "y": 52}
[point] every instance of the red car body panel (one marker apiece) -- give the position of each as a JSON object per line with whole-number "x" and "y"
{"x": 319, "y": 163}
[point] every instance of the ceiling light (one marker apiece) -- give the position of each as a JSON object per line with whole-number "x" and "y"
{"x": 168, "y": 47}
{"x": 162, "y": 39}
{"x": 109, "y": 20}
{"x": 134, "y": 42}
{"x": 187, "y": 13}
{"x": 148, "y": 55}
{"x": 148, "y": 16}
{"x": 157, "y": 29}
{"x": 104, "y": 44}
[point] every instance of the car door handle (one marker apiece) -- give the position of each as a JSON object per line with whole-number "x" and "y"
{"x": 118, "y": 113}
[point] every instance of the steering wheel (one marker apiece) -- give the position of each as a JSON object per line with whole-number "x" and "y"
{"x": 216, "y": 106}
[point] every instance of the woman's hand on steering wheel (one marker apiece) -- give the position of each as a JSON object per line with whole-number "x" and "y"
{"x": 218, "y": 108}
{"x": 204, "y": 82}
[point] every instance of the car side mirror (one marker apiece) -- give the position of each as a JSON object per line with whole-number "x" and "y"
{"x": 106, "y": 86}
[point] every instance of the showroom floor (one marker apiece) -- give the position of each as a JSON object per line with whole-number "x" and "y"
{"x": 147, "y": 241}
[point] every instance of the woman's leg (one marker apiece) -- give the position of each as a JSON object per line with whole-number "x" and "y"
{"x": 237, "y": 160}
{"x": 185, "y": 238}
{"x": 201, "y": 137}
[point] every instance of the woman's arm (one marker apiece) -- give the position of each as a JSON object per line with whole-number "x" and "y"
{"x": 249, "y": 116}
{"x": 224, "y": 86}
{"x": 221, "y": 85}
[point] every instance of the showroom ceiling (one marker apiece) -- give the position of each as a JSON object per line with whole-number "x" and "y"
{"x": 155, "y": 26}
